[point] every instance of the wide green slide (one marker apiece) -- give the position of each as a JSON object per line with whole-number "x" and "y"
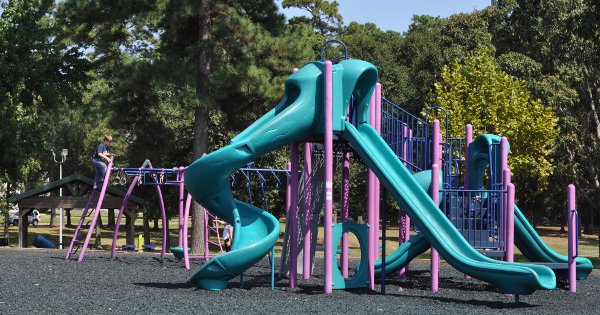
{"x": 508, "y": 277}
{"x": 533, "y": 247}
{"x": 402, "y": 256}
{"x": 416, "y": 245}
{"x": 527, "y": 239}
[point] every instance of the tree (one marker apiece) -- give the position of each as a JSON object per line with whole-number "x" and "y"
{"x": 476, "y": 91}
{"x": 41, "y": 76}
{"x": 324, "y": 17}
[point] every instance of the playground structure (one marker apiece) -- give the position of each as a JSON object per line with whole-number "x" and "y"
{"x": 467, "y": 223}
{"x": 457, "y": 192}
{"x": 144, "y": 175}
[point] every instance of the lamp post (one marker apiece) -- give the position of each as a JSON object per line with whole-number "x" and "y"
{"x": 63, "y": 158}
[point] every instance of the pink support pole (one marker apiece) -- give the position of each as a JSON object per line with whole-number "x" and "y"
{"x": 345, "y": 212}
{"x": 435, "y": 257}
{"x": 293, "y": 215}
{"x": 164, "y": 219}
{"x": 288, "y": 192}
{"x": 404, "y": 230}
{"x": 206, "y": 252}
{"x": 506, "y": 179}
{"x": 468, "y": 140}
{"x": 377, "y": 125}
{"x": 435, "y": 182}
{"x": 437, "y": 154}
{"x": 503, "y": 166}
{"x": 510, "y": 238}
{"x": 572, "y": 248}
{"x": 97, "y": 211}
{"x": 186, "y": 215}
{"x": 113, "y": 253}
{"x": 83, "y": 216}
{"x": 328, "y": 248}
{"x": 181, "y": 205}
{"x": 307, "y": 266}
{"x": 373, "y": 241}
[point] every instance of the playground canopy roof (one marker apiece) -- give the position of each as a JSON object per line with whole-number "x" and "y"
{"x": 77, "y": 186}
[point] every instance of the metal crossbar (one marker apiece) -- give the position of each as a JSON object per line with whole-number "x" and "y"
{"x": 154, "y": 176}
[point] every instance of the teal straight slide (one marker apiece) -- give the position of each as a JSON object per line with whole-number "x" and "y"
{"x": 533, "y": 247}
{"x": 403, "y": 255}
{"x": 416, "y": 245}
{"x": 508, "y": 277}
{"x": 527, "y": 239}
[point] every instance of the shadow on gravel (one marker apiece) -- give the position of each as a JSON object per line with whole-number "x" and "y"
{"x": 164, "y": 285}
{"x": 489, "y": 304}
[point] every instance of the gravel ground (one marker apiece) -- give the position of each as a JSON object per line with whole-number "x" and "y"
{"x": 41, "y": 281}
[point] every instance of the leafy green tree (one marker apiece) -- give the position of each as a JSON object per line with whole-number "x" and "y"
{"x": 476, "y": 91}
{"x": 41, "y": 76}
{"x": 324, "y": 17}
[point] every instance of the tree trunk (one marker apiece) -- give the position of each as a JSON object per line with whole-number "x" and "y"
{"x": 111, "y": 218}
{"x": 98, "y": 241}
{"x": 52, "y": 217}
{"x": 155, "y": 224}
{"x": 68, "y": 214}
{"x": 201, "y": 115}
{"x": 200, "y": 146}
{"x": 6, "y": 214}
{"x": 146, "y": 226}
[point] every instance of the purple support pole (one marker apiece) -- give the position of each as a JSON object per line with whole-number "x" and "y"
{"x": 328, "y": 248}
{"x": 186, "y": 215}
{"x": 437, "y": 154}
{"x": 181, "y": 203}
{"x": 435, "y": 257}
{"x": 572, "y": 248}
{"x": 306, "y": 266}
{"x": 371, "y": 210}
{"x": 503, "y": 166}
{"x": 344, "y": 206}
{"x": 468, "y": 140}
{"x": 288, "y": 192}
{"x": 206, "y": 237}
{"x": 510, "y": 238}
{"x": 506, "y": 179}
{"x": 83, "y": 216}
{"x": 164, "y": 218}
{"x": 404, "y": 229}
{"x": 377, "y": 125}
{"x": 121, "y": 210}
{"x": 293, "y": 215}
{"x": 97, "y": 212}
{"x": 435, "y": 168}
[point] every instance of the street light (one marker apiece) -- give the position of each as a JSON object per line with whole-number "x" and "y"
{"x": 63, "y": 157}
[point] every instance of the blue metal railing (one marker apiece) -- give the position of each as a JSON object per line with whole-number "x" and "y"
{"x": 453, "y": 155}
{"x": 477, "y": 214}
{"x": 406, "y": 134}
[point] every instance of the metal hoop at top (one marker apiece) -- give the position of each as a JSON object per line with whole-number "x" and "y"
{"x": 333, "y": 40}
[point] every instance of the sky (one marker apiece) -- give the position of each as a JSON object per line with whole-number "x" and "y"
{"x": 396, "y": 15}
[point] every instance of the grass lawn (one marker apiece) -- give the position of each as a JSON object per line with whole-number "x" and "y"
{"x": 588, "y": 243}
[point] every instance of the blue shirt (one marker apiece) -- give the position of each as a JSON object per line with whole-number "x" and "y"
{"x": 100, "y": 149}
